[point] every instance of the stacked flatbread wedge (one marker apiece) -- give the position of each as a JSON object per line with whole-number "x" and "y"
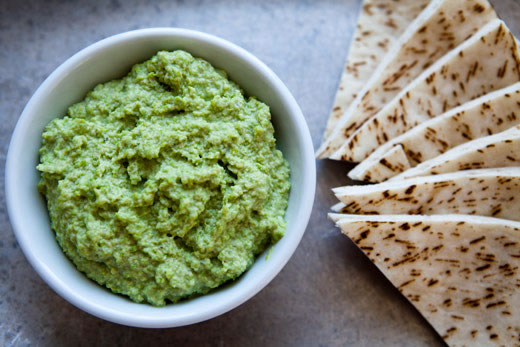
{"x": 436, "y": 125}
{"x": 369, "y": 45}
{"x": 460, "y": 272}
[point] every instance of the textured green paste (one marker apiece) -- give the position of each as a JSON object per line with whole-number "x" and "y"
{"x": 166, "y": 183}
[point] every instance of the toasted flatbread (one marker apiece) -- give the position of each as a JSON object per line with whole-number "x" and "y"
{"x": 495, "y": 151}
{"x": 487, "y": 115}
{"x": 460, "y": 272}
{"x": 483, "y": 192}
{"x": 380, "y": 23}
{"x": 338, "y": 208}
{"x": 486, "y": 62}
{"x": 392, "y": 162}
{"x": 442, "y": 26}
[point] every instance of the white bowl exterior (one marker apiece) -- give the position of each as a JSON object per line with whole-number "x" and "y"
{"x": 112, "y": 58}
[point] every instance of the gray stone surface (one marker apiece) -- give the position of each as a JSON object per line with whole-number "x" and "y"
{"x": 328, "y": 294}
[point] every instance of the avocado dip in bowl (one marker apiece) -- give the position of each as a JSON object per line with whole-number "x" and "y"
{"x": 229, "y": 179}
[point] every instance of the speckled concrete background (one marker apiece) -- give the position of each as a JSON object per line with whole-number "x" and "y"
{"x": 328, "y": 294}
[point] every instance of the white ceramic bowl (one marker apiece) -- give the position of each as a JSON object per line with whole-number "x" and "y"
{"x": 112, "y": 58}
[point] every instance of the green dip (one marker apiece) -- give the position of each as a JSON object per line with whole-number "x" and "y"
{"x": 166, "y": 183}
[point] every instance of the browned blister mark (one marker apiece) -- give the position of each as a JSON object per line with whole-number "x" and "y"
{"x": 502, "y": 70}
{"x": 494, "y": 304}
{"x": 477, "y": 240}
{"x": 406, "y": 283}
{"x": 389, "y": 236}
{"x": 483, "y": 267}
{"x": 406, "y": 260}
{"x": 432, "y": 282}
{"x": 471, "y": 302}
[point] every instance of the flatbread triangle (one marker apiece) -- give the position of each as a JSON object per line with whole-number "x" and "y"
{"x": 490, "y": 114}
{"x": 380, "y": 23}
{"x": 483, "y": 192}
{"x": 500, "y": 150}
{"x": 440, "y": 27}
{"x": 460, "y": 272}
{"x": 486, "y": 62}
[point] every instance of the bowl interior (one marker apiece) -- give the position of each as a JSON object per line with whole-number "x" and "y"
{"x": 112, "y": 58}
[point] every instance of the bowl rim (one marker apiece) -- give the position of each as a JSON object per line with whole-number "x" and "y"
{"x": 58, "y": 285}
